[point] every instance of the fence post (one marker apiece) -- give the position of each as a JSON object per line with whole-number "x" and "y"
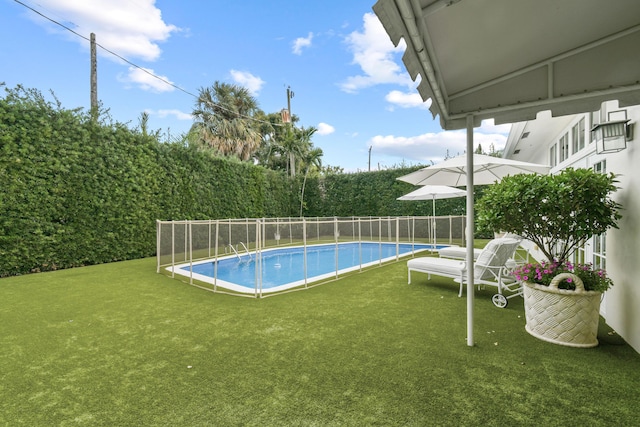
{"x": 173, "y": 249}
{"x": 304, "y": 249}
{"x": 412, "y": 233}
{"x": 158, "y": 231}
{"x": 215, "y": 265}
{"x": 336, "y": 234}
{"x": 257, "y": 258}
{"x": 353, "y": 228}
{"x": 246, "y": 221}
{"x": 190, "y": 251}
{"x": 380, "y": 240}
{"x": 397, "y": 238}
{"x": 360, "y": 242}
{"x": 186, "y": 239}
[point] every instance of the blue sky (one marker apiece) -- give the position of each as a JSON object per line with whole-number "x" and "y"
{"x": 347, "y": 78}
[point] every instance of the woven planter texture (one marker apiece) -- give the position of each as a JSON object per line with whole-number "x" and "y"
{"x": 559, "y": 316}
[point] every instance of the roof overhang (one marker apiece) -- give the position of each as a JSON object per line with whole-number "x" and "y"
{"x": 508, "y": 60}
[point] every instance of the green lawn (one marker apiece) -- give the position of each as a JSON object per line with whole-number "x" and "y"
{"x": 119, "y": 345}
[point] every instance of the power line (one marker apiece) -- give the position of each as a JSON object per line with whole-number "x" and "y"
{"x": 105, "y": 49}
{"x": 144, "y": 69}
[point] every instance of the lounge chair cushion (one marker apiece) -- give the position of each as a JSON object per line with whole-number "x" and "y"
{"x": 438, "y": 266}
{"x": 457, "y": 252}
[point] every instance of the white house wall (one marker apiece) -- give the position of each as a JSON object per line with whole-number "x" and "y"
{"x": 622, "y": 302}
{"x": 621, "y": 305}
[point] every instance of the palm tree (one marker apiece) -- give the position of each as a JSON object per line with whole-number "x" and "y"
{"x": 271, "y": 129}
{"x": 295, "y": 144}
{"x": 284, "y": 146}
{"x": 313, "y": 158}
{"x": 224, "y": 120}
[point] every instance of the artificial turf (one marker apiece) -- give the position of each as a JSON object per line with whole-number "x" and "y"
{"x": 119, "y": 345}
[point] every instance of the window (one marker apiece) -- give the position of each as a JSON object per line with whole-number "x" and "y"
{"x": 600, "y": 251}
{"x": 564, "y": 147}
{"x": 600, "y": 167}
{"x": 577, "y": 136}
{"x": 600, "y": 242}
{"x": 553, "y": 159}
{"x": 578, "y": 256}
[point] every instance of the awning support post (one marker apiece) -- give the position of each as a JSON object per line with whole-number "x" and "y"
{"x": 470, "y": 230}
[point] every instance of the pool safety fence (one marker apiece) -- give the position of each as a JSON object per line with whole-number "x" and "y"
{"x": 183, "y": 244}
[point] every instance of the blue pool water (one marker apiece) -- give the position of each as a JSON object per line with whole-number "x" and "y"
{"x": 284, "y": 268}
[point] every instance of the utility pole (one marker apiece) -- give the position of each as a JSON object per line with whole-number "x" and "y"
{"x": 94, "y": 79}
{"x": 370, "y": 147}
{"x": 292, "y": 158}
{"x": 289, "y": 96}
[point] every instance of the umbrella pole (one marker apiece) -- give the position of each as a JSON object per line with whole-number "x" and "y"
{"x": 470, "y": 228}
{"x": 433, "y": 222}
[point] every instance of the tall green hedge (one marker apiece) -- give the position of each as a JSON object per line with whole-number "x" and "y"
{"x": 370, "y": 193}
{"x": 76, "y": 192}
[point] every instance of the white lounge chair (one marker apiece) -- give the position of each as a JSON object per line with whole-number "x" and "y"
{"x": 457, "y": 252}
{"x": 490, "y": 268}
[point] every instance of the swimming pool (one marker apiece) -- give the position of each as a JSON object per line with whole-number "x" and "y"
{"x": 285, "y": 268}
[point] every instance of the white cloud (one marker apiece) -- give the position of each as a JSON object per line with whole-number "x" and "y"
{"x": 130, "y": 29}
{"x": 434, "y": 147}
{"x": 144, "y": 79}
{"x": 172, "y": 112}
{"x": 488, "y": 126}
{"x": 407, "y": 99}
{"x": 325, "y": 129}
{"x": 301, "y": 43}
{"x": 373, "y": 51}
{"x": 248, "y": 80}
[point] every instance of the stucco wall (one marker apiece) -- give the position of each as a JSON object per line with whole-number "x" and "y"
{"x": 621, "y": 306}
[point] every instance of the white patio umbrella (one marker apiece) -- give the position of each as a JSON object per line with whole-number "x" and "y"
{"x": 433, "y": 192}
{"x": 486, "y": 170}
{"x": 453, "y": 172}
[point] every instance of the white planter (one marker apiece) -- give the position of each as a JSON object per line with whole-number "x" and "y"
{"x": 559, "y": 316}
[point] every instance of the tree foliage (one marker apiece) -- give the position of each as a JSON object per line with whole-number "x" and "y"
{"x": 76, "y": 192}
{"x": 224, "y": 120}
{"x": 559, "y": 213}
{"x": 229, "y": 122}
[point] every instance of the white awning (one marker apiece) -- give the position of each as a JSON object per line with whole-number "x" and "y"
{"x": 508, "y": 60}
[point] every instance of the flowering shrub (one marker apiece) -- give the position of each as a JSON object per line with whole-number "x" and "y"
{"x": 543, "y": 273}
